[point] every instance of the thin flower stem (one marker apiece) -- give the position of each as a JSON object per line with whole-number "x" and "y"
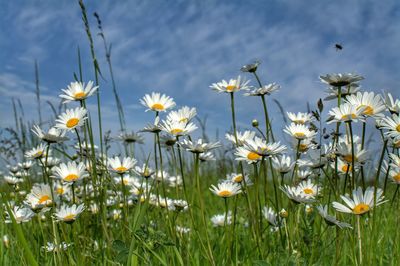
{"x": 353, "y": 170}
{"x": 359, "y": 240}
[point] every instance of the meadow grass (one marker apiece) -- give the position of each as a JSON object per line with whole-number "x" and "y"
{"x": 69, "y": 202}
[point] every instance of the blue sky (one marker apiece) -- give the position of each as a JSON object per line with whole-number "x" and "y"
{"x": 181, "y": 47}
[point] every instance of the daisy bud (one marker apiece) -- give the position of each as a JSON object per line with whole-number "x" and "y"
{"x": 308, "y": 209}
{"x": 283, "y": 213}
{"x": 254, "y": 123}
{"x": 6, "y": 241}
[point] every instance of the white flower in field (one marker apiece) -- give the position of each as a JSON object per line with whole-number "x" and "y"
{"x": 94, "y": 208}
{"x": 69, "y": 214}
{"x": 264, "y": 149}
{"x": 86, "y": 147}
{"x": 40, "y": 197}
{"x": 50, "y": 247}
{"x": 300, "y": 118}
{"x": 344, "y": 151}
{"x": 153, "y": 128}
{"x": 394, "y": 160}
{"x": 26, "y": 165}
{"x": 12, "y": 180}
{"x": 161, "y": 176}
{"x": 166, "y": 203}
{"x": 53, "y": 135}
{"x": 244, "y": 154}
{"x": 181, "y": 205}
{"x": 52, "y": 161}
{"x": 340, "y": 80}
{"x": 184, "y": 114}
{"x": 174, "y": 180}
{"x": 13, "y": 169}
{"x": 296, "y": 194}
{"x": 315, "y": 158}
{"x": 167, "y": 140}
{"x": 198, "y": 147}
{"x": 121, "y": 167}
{"x": 360, "y": 202}
{"x": 343, "y": 167}
{"x": 238, "y": 178}
{"x": 226, "y": 189}
{"x": 371, "y": 103}
{"x": 331, "y": 220}
{"x": 283, "y": 164}
{"x": 77, "y": 91}
{"x": 70, "y": 172}
{"x": 303, "y": 146}
{"x": 182, "y": 230}
{"x": 394, "y": 174}
{"x": 304, "y": 174}
{"x": 219, "y": 219}
{"x": 233, "y": 85}
{"x": 116, "y": 214}
{"x": 309, "y": 189}
{"x": 37, "y": 152}
{"x": 207, "y": 156}
{"x": 251, "y": 68}
{"x": 299, "y": 131}
{"x": 241, "y": 137}
{"x": 176, "y": 128}
{"x": 157, "y": 102}
{"x": 62, "y": 189}
{"x": 271, "y": 216}
{"x": 127, "y": 180}
{"x": 131, "y": 137}
{"x": 20, "y": 214}
{"x": 144, "y": 171}
{"x": 71, "y": 119}
{"x": 392, "y": 124}
{"x": 392, "y": 104}
{"x": 333, "y": 92}
{"x": 264, "y": 90}
{"x": 346, "y": 113}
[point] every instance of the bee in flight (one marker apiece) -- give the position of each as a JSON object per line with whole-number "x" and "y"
{"x": 338, "y": 47}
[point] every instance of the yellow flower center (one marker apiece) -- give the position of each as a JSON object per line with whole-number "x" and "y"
{"x": 397, "y": 178}
{"x": 303, "y": 147}
{"x": 253, "y": 156}
{"x": 43, "y": 198}
{"x": 158, "y": 107}
{"x": 346, "y": 168}
{"x": 126, "y": 181}
{"x": 224, "y": 193}
{"x": 299, "y": 135}
{"x": 69, "y": 217}
{"x": 368, "y": 109}
{"x": 80, "y": 95}
{"x": 71, "y": 178}
{"x": 121, "y": 169}
{"x": 398, "y": 128}
{"x": 60, "y": 191}
{"x": 184, "y": 120}
{"x": 299, "y": 121}
{"x": 308, "y": 191}
{"x": 38, "y": 154}
{"x": 230, "y": 88}
{"x": 360, "y": 208}
{"x": 238, "y": 178}
{"x": 349, "y": 116}
{"x": 72, "y": 122}
{"x": 349, "y": 158}
{"x": 176, "y": 131}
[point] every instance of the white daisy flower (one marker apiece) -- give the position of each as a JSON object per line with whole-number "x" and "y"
{"x": 207, "y": 156}
{"x": 71, "y": 119}
{"x": 360, "y": 202}
{"x": 70, "y": 172}
{"x": 12, "y": 180}
{"x": 153, "y": 128}
{"x": 241, "y": 137}
{"x": 199, "y": 146}
{"x": 296, "y": 194}
{"x": 271, "y": 216}
{"x": 69, "y": 214}
{"x": 300, "y": 118}
{"x": 346, "y": 113}
{"x": 262, "y": 148}
{"x": 184, "y": 114}
{"x": 371, "y": 103}
{"x": 394, "y": 174}
{"x": 343, "y": 167}
{"x": 226, "y": 189}
{"x": 40, "y": 197}
{"x": 37, "y": 152}
{"x": 219, "y": 219}
{"x": 314, "y": 158}
{"x": 181, "y": 205}
{"x": 232, "y": 86}
{"x": 251, "y": 68}
{"x": 131, "y": 137}
{"x": 50, "y": 247}
{"x": 26, "y": 165}
{"x": 309, "y": 189}
{"x": 20, "y": 214}
{"x": 77, "y": 91}
{"x": 157, "y": 102}
{"x": 176, "y": 128}
{"x": 392, "y": 104}
{"x": 331, "y": 220}
{"x": 299, "y": 131}
{"x": 238, "y": 178}
{"x": 264, "y": 90}
{"x": 304, "y": 174}
{"x": 344, "y": 151}
{"x": 283, "y": 164}
{"x": 392, "y": 124}
{"x": 243, "y": 154}
{"x": 340, "y": 80}
{"x": 144, "y": 171}
{"x": 333, "y": 92}
{"x": 53, "y": 135}
{"x": 120, "y": 167}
